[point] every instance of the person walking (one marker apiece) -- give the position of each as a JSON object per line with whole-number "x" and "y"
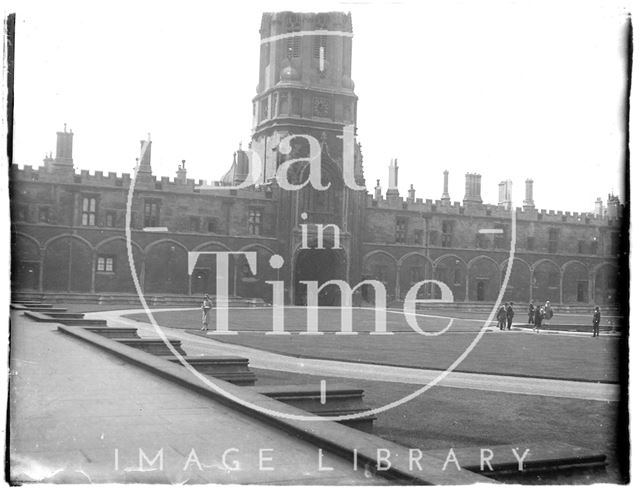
{"x": 596, "y": 322}
{"x": 207, "y": 305}
{"x": 532, "y": 312}
{"x": 537, "y": 318}
{"x": 502, "y": 317}
{"x": 510, "y": 314}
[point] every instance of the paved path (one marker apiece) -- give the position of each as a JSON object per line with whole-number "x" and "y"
{"x": 196, "y": 345}
{"x": 82, "y": 415}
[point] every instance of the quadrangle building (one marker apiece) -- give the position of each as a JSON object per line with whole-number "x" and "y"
{"x": 68, "y": 232}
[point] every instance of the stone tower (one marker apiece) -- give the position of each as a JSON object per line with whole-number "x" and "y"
{"x": 305, "y": 88}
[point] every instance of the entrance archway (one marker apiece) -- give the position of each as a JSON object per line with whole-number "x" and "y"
{"x": 319, "y": 265}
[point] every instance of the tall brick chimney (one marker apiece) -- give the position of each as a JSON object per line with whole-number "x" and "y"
{"x": 145, "y": 157}
{"x": 445, "y": 190}
{"x": 412, "y": 193}
{"x": 181, "y": 174}
{"x": 472, "y": 189}
{"x": 504, "y": 194}
{"x": 393, "y": 179}
{"x": 64, "y": 150}
{"x": 528, "y": 195}
{"x": 378, "y": 191}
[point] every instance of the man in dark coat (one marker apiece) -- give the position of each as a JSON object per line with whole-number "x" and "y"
{"x": 537, "y": 319}
{"x": 510, "y": 314}
{"x": 596, "y": 322}
{"x": 502, "y": 317}
{"x": 532, "y": 312}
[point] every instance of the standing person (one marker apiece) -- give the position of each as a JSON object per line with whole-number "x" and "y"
{"x": 502, "y": 316}
{"x": 537, "y": 318}
{"x": 510, "y": 314}
{"x": 547, "y": 311}
{"x": 207, "y": 305}
{"x": 596, "y": 322}
{"x": 532, "y": 312}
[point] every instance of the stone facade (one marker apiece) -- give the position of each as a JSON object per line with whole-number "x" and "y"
{"x": 68, "y": 227}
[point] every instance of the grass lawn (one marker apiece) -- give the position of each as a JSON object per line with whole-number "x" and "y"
{"x": 259, "y": 319}
{"x": 443, "y": 418}
{"x": 512, "y": 353}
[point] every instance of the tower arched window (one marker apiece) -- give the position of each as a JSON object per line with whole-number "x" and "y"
{"x": 320, "y": 51}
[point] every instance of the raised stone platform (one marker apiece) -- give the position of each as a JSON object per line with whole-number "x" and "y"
{"x": 573, "y": 327}
{"x": 340, "y": 399}
{"x": 65, "y": 315}
{"x": 234, "y": 369}
{"x": 19, "y": 307}
{"x": 157, "y": 347}
{"x": 83, "y": 322}
{"x": 115, "y": 332}
{"x": 46, "y": 317}
{"x": 27, "y": 302}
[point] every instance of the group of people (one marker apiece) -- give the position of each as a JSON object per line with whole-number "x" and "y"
{"x": 505, "y": 316}
{"x": 536, "y": 315}
{"x": 539, "y": 313}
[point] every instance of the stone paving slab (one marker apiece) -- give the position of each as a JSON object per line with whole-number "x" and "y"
{"x": 79, "y": 415}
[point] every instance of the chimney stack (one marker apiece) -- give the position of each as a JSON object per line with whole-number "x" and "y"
{"x": 393, "y": 179}
{"x": 599, "y": 208}
{"x": 412, "y": 194}
{"x": 472, "y": 190}
{"x": 528, "y": 195}
{"x": 64, "y": 150}
{"x": 504, "y": 194}
{"x": 145, "y": 157}
{"x": 445, "y": 190}
{"x": 613, "y": 206}
{"x": 378, "y": 191}
{"x": 181, "y": 174}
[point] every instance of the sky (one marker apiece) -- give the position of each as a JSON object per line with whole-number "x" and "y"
{"x": 507, "y": 89}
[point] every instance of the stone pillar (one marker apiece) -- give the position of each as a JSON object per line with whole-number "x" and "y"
{"x": 592, "y": 288}
{"x": 466, "y": 286}
{"x": 143, "y": 272}
{"x": 531, "y": 286}
{"x": 94, "y": 257}
{"x": 397, "y": 290}
{"x": 41, "y": 270}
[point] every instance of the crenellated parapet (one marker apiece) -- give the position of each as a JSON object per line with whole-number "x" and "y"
{"x": 86, "y": 178}
{"x": 446, "y": 207}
